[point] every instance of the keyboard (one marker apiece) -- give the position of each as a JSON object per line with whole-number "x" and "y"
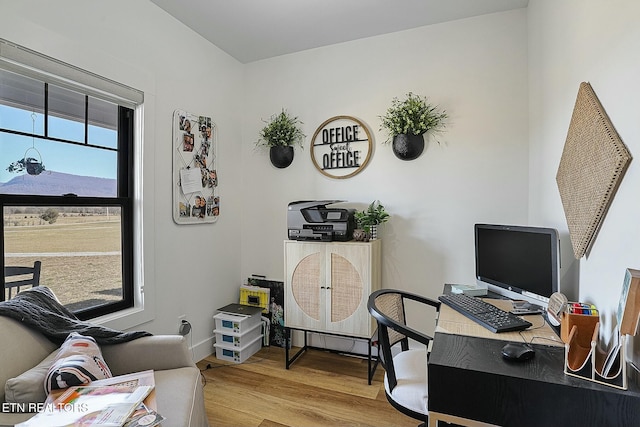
{"x": 484, "y": 313}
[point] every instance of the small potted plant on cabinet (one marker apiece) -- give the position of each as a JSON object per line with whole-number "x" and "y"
{"x": 368, "y": 221}
{"x": 281, "y": 134}
{"x": 407, "y": 121}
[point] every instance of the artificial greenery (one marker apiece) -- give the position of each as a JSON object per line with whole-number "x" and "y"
{"x": 281, "y": 130}
{"x": 375, "y": 214}
{"x": 33, "y": 166}
{"x": 414, "y": 115}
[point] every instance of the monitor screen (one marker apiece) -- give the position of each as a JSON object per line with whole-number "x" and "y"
{"x": 517, "y": 261}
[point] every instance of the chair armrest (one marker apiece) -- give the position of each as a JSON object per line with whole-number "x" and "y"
{"x": 413, "y": 333}
{"x": 397, "y": 326}
{"x": 157, "y": 352}
{"x": 424, "y": 300}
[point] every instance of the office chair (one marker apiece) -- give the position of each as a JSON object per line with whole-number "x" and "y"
{"x": 405, "y": 378}
{"x": 17, "y": 280}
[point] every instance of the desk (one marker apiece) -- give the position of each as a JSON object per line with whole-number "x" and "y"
{"x": 452, "y": 322}
{"x": 471, "y": 384}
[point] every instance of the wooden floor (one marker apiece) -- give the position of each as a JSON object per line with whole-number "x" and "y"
{"x": 319, "y": 389}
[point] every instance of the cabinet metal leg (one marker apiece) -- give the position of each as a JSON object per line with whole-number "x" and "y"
{"x": 287, "y": 334}
{"x": 372, "y": 361}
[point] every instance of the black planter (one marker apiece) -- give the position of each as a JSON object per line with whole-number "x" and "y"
{"x": 281, "y": 156}
{"x": 34, "y": 167}
{"x": 407, "y": 146}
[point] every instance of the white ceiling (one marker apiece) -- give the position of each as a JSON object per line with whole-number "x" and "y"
{"x": 250, "y": 30}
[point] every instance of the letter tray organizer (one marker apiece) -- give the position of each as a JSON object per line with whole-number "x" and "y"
{"x": 584, "y": 359}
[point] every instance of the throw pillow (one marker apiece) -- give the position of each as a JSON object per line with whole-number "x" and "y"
{"x": 79, "y": 361}
{"x": 27, "y": 387}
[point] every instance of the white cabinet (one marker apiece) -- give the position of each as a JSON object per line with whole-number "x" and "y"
{"x": 327, "y": 285}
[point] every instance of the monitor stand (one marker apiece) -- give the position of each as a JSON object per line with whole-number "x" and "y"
{"x": 524, "y": 307}
{"x": 495, "y": 295}
{"x": 520, "y": 307}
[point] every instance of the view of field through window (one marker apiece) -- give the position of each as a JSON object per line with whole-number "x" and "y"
{"x": 65, "y": 186}
{"x": 76, "y": 245}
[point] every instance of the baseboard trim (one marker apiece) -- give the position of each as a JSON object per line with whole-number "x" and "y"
{"x": 202, "y": 349}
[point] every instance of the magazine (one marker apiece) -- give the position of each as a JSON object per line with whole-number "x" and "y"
{"x": 144, "y": 416}
{"x": 102, "y": 405}
{"x": 612, "y": 356}
{"x": 135, "y": 378}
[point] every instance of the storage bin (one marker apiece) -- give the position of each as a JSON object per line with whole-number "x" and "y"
{"x": 236, "y": 323}
{"x": 234, "y": 339}
{"x": 238, "y": 354}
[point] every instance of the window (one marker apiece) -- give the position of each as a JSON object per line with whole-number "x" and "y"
{"x": 66, "y": 180}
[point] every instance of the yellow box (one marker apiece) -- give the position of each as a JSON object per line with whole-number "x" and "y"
{"x": 255, "y": 296}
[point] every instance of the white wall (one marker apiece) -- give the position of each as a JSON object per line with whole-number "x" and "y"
{"x": 571, "y": 41}
{"x": 190, "y": 270}
{"x": 508, "y": 81}
{"x": 474, "y": 68}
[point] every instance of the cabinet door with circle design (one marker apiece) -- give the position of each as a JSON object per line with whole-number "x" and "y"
{"x": 327, "y": 286}
{"x": 304, "y": 275}
{"x": 305, "y": 286}
{"x": 346, "y": 289}
{"x": 349, "y": 269}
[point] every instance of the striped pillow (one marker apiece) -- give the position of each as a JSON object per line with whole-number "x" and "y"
{"x": 79, "y": 361}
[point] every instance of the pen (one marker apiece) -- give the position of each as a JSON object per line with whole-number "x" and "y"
{"x": 583, "y": 308}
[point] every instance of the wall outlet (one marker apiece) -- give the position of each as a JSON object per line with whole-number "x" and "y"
{"x": 185, "y": 327}
{"x": 183, "y": 324}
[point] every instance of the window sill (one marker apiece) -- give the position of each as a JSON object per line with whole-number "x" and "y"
{"x": 125, "y": 319}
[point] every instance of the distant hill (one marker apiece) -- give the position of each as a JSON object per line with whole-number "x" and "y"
{"x": 56, "y": 183}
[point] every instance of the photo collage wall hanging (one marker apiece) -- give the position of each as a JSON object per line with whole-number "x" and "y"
{"x": 195, "y": 191}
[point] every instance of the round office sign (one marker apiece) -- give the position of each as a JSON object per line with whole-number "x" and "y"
{"x": 341, "y": 147}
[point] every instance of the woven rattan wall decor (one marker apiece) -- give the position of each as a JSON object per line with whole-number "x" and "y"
{"x": 593, "y": 162}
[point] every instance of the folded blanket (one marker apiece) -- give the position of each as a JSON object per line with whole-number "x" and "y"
{"x": 39, "y": 309}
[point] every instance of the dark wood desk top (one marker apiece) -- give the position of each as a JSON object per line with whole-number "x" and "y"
{"x": 469, "y": 378}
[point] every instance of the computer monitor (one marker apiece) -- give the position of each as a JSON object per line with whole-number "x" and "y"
{"x": 518, "y": 262}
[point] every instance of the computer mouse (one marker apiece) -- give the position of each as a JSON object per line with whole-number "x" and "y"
{"x": 518, "y": 351}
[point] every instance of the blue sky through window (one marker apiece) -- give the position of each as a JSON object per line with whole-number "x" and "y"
{"x": 56, "y": 156}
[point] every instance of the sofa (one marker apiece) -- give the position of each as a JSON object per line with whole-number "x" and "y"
{"x": 179, "y": 388}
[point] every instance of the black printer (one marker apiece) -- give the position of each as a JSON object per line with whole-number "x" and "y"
{"x": 313, "y": 220}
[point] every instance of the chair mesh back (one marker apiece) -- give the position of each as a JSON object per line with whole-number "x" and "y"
{"x": 391, "y": 306}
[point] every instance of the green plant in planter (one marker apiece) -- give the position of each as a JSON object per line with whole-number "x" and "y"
{"x": 281, "y": 130}
{"x": 412, "y": 116}
{"x": 375, "y": 214}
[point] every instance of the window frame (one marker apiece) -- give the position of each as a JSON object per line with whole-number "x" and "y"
{"x": 22, "y": 61}
{"x": 125, "y": 204}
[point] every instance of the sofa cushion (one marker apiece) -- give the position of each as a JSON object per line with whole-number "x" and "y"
{"x": 188, "y": 410}
{"x": 29, "y": 386}
{"x": 22, "y": 349}
{"x": 79, "y": 361}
